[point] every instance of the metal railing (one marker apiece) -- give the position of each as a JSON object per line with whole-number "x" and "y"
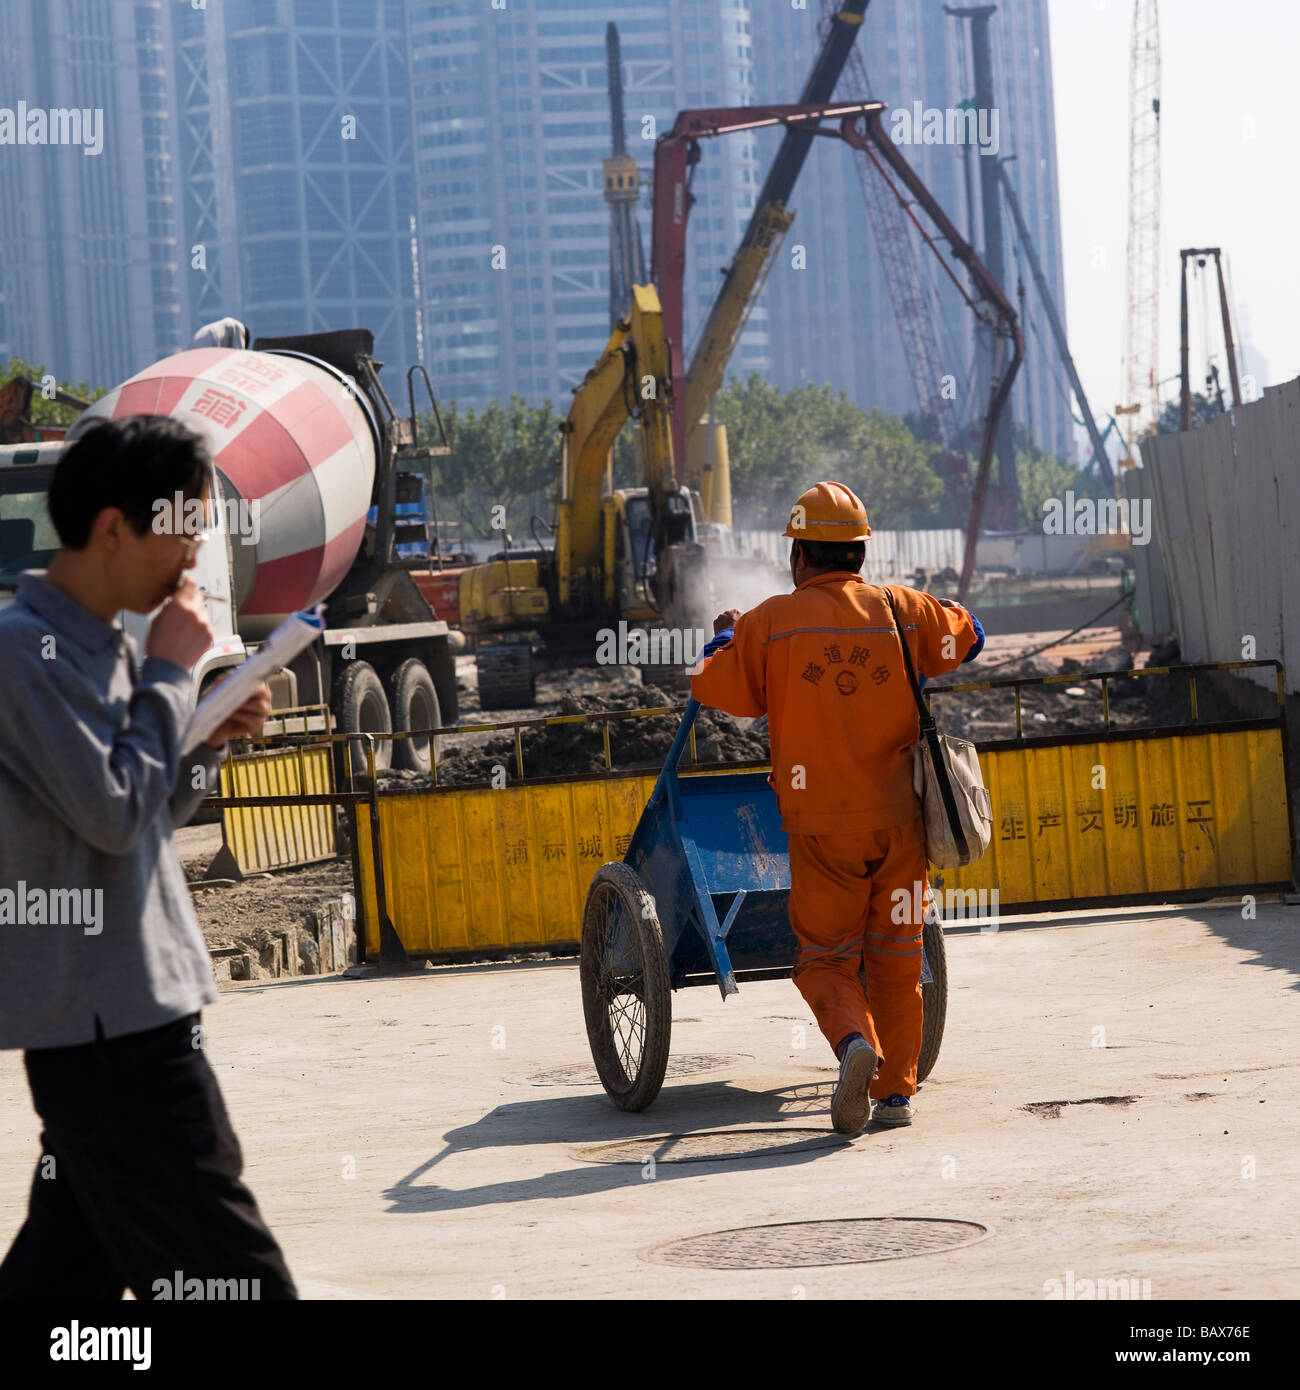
{"x": 517, "y": 727}
{"x": 1018, "y": 683}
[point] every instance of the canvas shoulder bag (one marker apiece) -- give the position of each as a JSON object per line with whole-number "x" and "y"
{"x": 946, "y": 776}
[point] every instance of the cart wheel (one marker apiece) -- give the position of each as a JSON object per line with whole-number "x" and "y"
{"x": 934, "y": 996}
{"x": 625, "y": 992}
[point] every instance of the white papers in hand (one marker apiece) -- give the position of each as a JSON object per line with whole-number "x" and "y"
{"x": 296, "y": 633}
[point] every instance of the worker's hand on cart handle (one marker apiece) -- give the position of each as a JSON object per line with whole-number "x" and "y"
{"x": 181, "y": 632}
{"x": 247, "y": 720}
{"x": 725, "y": 620}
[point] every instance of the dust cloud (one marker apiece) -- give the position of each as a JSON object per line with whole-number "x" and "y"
{"x": 741, "y": 582}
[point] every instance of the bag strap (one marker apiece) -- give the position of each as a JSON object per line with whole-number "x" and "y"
{"x": 931, "y": 735}
{"x": 927, "y": 719}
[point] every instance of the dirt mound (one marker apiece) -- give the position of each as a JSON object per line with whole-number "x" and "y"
{"x": 984, "y": 716}
{"x": 565, "y": 749}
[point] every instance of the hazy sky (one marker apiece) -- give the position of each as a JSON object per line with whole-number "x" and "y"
{"x": 1229, "y": 156}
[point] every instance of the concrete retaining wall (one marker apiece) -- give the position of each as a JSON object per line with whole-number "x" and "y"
{"x": 324, "y": 944}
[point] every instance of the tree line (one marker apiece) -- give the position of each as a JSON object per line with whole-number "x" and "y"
{"x": 779, "y": 443}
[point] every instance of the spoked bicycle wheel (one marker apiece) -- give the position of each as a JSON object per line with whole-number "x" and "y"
{"x": 934, "y": 994}
{"x": 626, "y": 997}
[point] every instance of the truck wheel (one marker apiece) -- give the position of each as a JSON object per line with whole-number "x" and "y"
{"x": 415, "y": 706}
{"x": 361, "y": 707}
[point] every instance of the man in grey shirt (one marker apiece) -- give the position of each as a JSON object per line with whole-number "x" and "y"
{"x": 105, "y": 968}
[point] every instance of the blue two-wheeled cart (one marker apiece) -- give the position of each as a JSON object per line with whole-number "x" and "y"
{"x": 700, "y": 897}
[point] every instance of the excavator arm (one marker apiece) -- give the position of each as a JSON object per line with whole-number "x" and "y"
{"x": 744, "y": 283}
{"x": 631, "y": 379}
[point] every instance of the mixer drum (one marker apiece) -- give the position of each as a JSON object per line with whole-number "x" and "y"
{"x": 296, "y": 461}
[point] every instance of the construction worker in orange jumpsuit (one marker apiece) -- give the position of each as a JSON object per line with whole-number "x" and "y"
{"x": 825, "y": 665}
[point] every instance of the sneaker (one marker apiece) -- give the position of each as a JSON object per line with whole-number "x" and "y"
{"x": 851, "y": 1105}
{"x": 897, "y": 1110}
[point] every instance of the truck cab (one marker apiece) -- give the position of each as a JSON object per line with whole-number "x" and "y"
{"x": 28, "y": 541}
{"x": 385, "y": 663}
{"x": 27, "y": 537}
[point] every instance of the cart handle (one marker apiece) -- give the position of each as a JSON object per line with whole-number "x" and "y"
{"x": 665, "y": 788}
{"x": 679, "y": 739}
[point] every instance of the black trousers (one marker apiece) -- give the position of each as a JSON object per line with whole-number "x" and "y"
{"x": 139, "y": 1179}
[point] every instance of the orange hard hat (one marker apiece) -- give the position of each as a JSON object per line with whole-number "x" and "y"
{"x": 828, "y": 512}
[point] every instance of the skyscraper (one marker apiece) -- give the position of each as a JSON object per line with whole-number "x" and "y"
{"x": 88, "y": 239}
{"x": 511, "y": 121}
{"x": 292, "y": 135}
{"x": 284, "y": 160}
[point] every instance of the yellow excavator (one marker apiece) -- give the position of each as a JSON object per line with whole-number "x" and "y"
{"x": 626, "y": 555}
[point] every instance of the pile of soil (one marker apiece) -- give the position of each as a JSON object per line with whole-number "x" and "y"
{"x": 568, "y": 749}
{"x": 985, "y": 716}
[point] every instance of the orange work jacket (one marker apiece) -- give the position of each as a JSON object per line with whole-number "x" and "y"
{"x": 824, "y": 664}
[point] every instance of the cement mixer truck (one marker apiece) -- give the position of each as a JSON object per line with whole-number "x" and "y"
{"x": 312, "y": 464}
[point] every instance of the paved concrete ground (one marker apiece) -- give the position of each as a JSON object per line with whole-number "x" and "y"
{"x": 398, "y": 1153}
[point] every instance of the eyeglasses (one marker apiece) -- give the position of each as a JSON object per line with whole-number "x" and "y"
{"x": 190, "y": 544}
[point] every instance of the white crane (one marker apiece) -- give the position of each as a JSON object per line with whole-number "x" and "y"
{"x": 1142, "y": 332}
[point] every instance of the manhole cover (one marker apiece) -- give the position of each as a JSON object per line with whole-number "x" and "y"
{"x": 584, "y": 1074}
{"x": 711, "y": 1145}
{"x": 798, "y": 1244}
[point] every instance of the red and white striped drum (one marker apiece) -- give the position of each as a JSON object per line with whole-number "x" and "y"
{"x": 296, "y": 461}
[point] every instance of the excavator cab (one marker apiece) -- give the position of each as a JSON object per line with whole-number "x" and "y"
{"x": 637, "y": 558}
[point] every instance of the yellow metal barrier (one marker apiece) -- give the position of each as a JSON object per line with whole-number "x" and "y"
{"x": 1075, "y": 824}
{"x": 277, "y": 837}
{"x": 494, "y": 869}
{"x": 1079, "y": 821}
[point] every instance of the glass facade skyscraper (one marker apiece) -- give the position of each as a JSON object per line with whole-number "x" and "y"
{"x": 293, "y": 137}
{"x": 511, "y": 121}
{"x": 89, "y": 251}
{"x": 287, "y": 161}
{"x": 256, "y": 162}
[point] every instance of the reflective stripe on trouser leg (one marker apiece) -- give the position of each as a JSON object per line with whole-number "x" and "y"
{"x": 828, "y": 909}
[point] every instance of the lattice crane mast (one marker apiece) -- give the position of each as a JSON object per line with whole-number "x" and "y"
{"x": 622, "y": 192}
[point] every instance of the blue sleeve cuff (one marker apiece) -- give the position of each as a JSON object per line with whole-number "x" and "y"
{"x": 978, "y": 646}
{"x": 159, "y": 668}
{"x": 717, "y": 642}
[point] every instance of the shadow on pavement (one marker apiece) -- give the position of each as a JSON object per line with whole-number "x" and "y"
{"x": 591, "y": 1120}
{"x": 1272, "y": 936}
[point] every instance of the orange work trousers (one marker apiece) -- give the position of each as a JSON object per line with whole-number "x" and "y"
{"x": 847, "y": 910}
